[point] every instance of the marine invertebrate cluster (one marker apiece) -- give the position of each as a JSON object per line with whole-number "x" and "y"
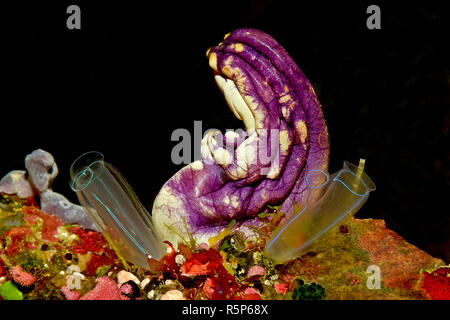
{"x": 222, "y": 214}
{"x": 234, "y": 182}
{"x": 37, "y": 252}
{"x": 43, "y": 253}
{"x": 40, "y": 248}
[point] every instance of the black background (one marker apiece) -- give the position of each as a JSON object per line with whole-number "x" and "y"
{"x": 134, "y": 73}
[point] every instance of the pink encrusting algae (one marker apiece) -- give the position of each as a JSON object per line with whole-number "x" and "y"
{"x": 106, "y": 289}
{"x": 22, "y": 277}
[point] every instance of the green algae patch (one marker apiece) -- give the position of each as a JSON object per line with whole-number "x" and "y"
{"x": 304, "y": 291}
{"x": 8, "y": 291}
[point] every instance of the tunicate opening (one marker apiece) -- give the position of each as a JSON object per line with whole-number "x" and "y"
{"x": 366, "y": 182}
{"x": 85, "y": 169}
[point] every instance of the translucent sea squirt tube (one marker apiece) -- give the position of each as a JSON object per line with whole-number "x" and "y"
{"x": 115, "y": 209}
{"x": 340, "y": 197}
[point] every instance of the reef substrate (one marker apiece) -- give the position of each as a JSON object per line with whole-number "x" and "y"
{"x": 42, "y": 258}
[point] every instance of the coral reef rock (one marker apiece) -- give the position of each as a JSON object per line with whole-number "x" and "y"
{"x": 349, "y": 261}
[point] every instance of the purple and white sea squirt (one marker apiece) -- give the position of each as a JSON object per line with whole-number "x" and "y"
{"x": 265, "y": 89}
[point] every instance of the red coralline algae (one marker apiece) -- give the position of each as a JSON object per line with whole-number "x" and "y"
{"x": 210, "y": 257}
{"x": 399, "y": 260}
{"x": 50, "y": 222}
{"x": 98, "y": 261}
{"x": 17, "y": 238}
{"x": 437, "y": 283}
{"x": 251, "y": 294}
{"x": 194, "y": 268}
{"x": 106, "y": 289}
{"x": 96, "y": 244}
{"x": 281, "y": 288}
{"x": 22, "y": 277}
{"x": 219, "y": 284}
{"x": 208, "y": 289}
{"x": 90, "y": 241}
{"x": 31, "y": 202}
{"x": 223, "y": 283}
{"x": 3, "y": 271}
{"x": 18, "y": 235}
{"x": 169, "y": 259}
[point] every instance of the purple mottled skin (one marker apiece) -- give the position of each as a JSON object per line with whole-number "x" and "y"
{"x": 267, "y": 90}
